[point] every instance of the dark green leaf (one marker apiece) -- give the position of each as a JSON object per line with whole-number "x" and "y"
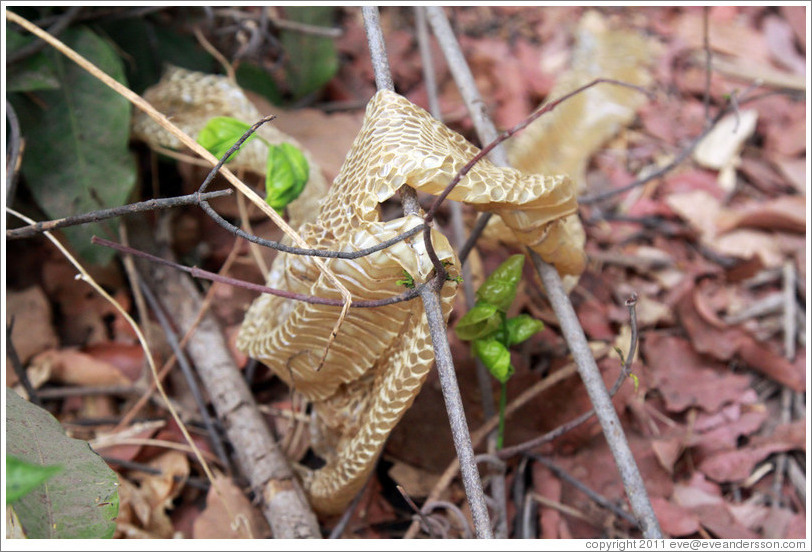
{"x": 23, "y": 477}
{"x": 495, "y": 356}
{"x": 312, "y": 60}
{"x": 79, "y": 502}
{"x": 255, "y": 78}
{"x": 521, "y": 328}
{"x": 220, "y": 133}
{"x": 77, "y": 157}
{"x": 499, "y": 289}
{"x": 149, "y": 46}
{"x": 286, "y": 175}
{"x": 35, "y": 72}
{"x": 479, "y": 322}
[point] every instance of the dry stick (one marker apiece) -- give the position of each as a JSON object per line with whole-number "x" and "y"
{"x": 103, "y": 214}
{"x": 598, "y": 395}
{"x": 706, "y": 46}
{"x": 483, "y": 377}
{"x": 434, "y": 314}
{"x": 595, "y": 497}
{"x": 407, "y": 295}
{"x": 188, "y": 373}
{"x": 187, "y": 141}
{"x": 18, "y": 367}
{"x": 170, "y": 363}
{"x": 284, "y": 504}
{"x": 790, "y": 329}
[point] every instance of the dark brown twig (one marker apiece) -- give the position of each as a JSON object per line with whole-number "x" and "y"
{"x": 103, "y": 214}
{"x": 595, "y": 497}
{"x": 206, "y": 275}
{"x": 18, "y": 367}
{"x": 172, "y": 338}
{"x": 55, "y": 30}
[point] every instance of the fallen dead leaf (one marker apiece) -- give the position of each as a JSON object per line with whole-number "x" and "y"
{"x": 687, "y": 379}
{"x": 76, "y": 368}
{"x": 33, "y": 331}
{"x": 229, "y": 514}
{"x": 736, "y": 465}
{"x": 675, "y": 520}
{"x": 722, "y": 145}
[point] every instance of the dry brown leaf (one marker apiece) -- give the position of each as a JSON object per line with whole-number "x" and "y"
{"x": 33, "y": 332}
{"x": 415, "y": 481}
{"x": 736, "y": 465}
{"x": 73, "y": 367}
{"x": 733, "y": 36}
{"x": 723, "y": 344}
{"x": 229, "y": 514}
{"x": 779, "y": 35}
{"x": 794, "y": 170}
{"x": 786, "y": 212}
{"x": 675, "y": 520}
{"x": 722, "y": 145}
{"x": 687, "y": 379}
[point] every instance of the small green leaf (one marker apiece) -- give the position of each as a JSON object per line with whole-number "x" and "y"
{"x": 406, "y": 281}
{"x": 311, "y": 60}
{"x": 495, "y": 356}
{"x": 521, "y": 328}
{"x": 220, "y": 133}
{"x": 635, "y": 380}
{"x": 499, "y": 288}
{"x": 23, "y": 477}
{"x": 286, "y": 175}
{"x": 481, "y": 321}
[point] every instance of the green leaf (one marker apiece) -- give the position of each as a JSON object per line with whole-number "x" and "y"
{"x": 77, "y": 156}
{"x": 36, "y": 72}
{"x": 150, "y": 44}
{"x": 220, "y": 133}
{"x": 406, "y": 281}
{"x": 79, "y": 502}
{"x": 495, "y": 357}
{"x": 286, "y": 175}
{"x": 22, "y": 477}
{"x": 522, "y": 327}
{"x": 499, "y": 288}
{"x": 312, "y": 60}
{"x": 255, "y": 78}
{"x": 479, "y": 322}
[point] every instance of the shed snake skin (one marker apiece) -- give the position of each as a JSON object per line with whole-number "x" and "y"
{"x": 378, "y": 362}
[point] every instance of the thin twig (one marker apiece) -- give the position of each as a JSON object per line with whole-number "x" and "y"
{"x": 600, "y": 500}
{"x": 18, "y": 367}
{"x": 790, "y": 306}
{"x": 214, "y": 436}
{"x": 598, "y": 395}
{"x": 103, "y": 214}
{"x": 456, "y": 415}
{"x": 407, "y": 295}
{"x": 56, "y": 29}
{"x": 377, "y": 48}
{"x": 707, "y": 48}
{"x": 341, "y": 526}
{"x": 15, "y": 145}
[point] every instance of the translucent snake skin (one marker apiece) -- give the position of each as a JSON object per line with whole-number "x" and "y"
{"x": 375, "y": 367}
{"x": 379, "y": 360}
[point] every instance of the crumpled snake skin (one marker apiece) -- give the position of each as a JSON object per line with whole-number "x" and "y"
{"x": 381, "y": 356}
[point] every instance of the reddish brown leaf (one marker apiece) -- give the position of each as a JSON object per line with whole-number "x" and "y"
{"x": 687, "y": 379}
{"x": 229, "y": 514}
{"x": 675, "y": 520}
